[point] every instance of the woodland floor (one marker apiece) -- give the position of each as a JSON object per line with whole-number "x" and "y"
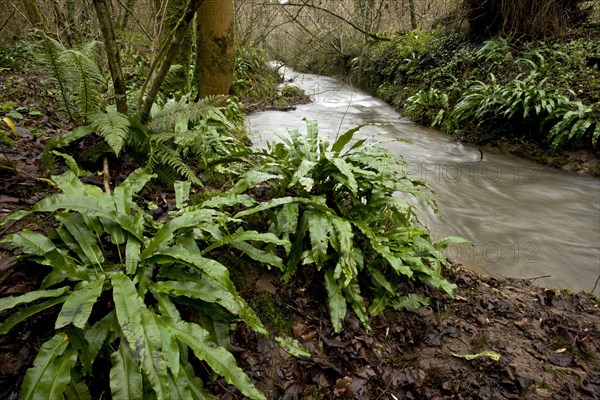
{"x": 548, "y": 340}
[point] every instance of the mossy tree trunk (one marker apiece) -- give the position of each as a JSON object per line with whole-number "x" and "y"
{"x": 215, "y": 47}
{"x": 184, "y": 58}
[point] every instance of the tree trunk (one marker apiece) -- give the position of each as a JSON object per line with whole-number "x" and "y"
{"x": 184, "y": 58}
{"x": 112, "y": 52}
{"x": 72, "y": 33}
{"x": 61, "y": 22}
{"x": 413, "y": 14}
{"x": 33, "y": 13}
{"x": 129, "y": 5}
{"x": 165, "y": 56}
{"x": 215, "y": 47}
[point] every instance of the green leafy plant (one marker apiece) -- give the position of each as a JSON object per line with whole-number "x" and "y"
{"x": 254, "y": 78}
{"x": 494, "y": 54}
{"x": 338, "y": 205}
{"x": 127, "y": 287}
{"x": 181, "y": 137}
{"x": 77, "y": 75}
{"x": 525, "y": 101}
{"x": 572, "y": 125}
{"x": 536, "y": 90}
{"x": 182, "y": 133}
{"x": 430, "y": 106}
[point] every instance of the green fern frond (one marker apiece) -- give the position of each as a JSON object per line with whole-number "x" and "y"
{"x": 112, "y": 126}
{"x": 48, "y": 161}
{"x": 175, "y": 80}
{"x": 163, "y": 137}
{"x": 178, "y": 113}
{"x": 170, "y": 158}
{"x": 139, "y": 140}
{"x": 52, "y": 57}
{"x": 166, "y": 175}
{"x": 90, "y": 49}
{"x": 84, "y": 74}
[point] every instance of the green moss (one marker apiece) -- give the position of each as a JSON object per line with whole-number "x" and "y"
{"x": 437, "y": 376}
{"x": 292, "y": 91}
{"x": 271, "y": 313}
{"x": 8, "y": 106}
{"x": 203, "y": 195}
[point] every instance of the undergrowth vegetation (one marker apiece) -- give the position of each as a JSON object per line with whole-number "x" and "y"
{"x": 118, "y": 276}
{"x": 339, "y": 206}
{"x": 545, "y": 91}
{"x": 144, "y": 309}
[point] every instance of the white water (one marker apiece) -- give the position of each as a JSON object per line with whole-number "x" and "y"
{"x": 525, "y": 220}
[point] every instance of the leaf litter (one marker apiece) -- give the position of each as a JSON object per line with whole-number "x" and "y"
{"x": 496, "y": 339}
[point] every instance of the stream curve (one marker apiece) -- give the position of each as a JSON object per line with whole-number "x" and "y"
{"x": 525, "y": 220}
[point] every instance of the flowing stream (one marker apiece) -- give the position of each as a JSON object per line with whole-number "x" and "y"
{"x": 524, "y": 220}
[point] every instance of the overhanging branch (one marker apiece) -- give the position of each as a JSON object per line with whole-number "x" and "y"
{"x": 328, "y": 11}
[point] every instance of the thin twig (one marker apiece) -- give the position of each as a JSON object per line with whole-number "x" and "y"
{"x": 537, "y": 277}
{"x": 106, "y": 175}
{"x": 135, "y": 19}
{"x": 595, "y": 284}
{"x": 328, "y": 11}
{"x": 48, "y": 181}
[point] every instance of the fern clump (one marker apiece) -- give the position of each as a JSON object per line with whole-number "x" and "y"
{"x": 77, "y": 75}
{"x": 109, "y": 256}
{"x": 338, "y": 206}
{"x": 112, "y": 126}
{"x": 184, "y": 132}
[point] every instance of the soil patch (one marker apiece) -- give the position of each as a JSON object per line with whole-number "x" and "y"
{"x": 547, "y": 343}
{"x": 580, "y": 160}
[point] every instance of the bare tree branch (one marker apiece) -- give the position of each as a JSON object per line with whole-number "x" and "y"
{"x": 328, "y": 11}
{"x": 132, "y": 14}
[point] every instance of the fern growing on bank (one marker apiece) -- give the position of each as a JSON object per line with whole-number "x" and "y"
{"x": 109, "y": 256}
{"x": 181, "y": 138}
{"x": 337, "y": 205}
